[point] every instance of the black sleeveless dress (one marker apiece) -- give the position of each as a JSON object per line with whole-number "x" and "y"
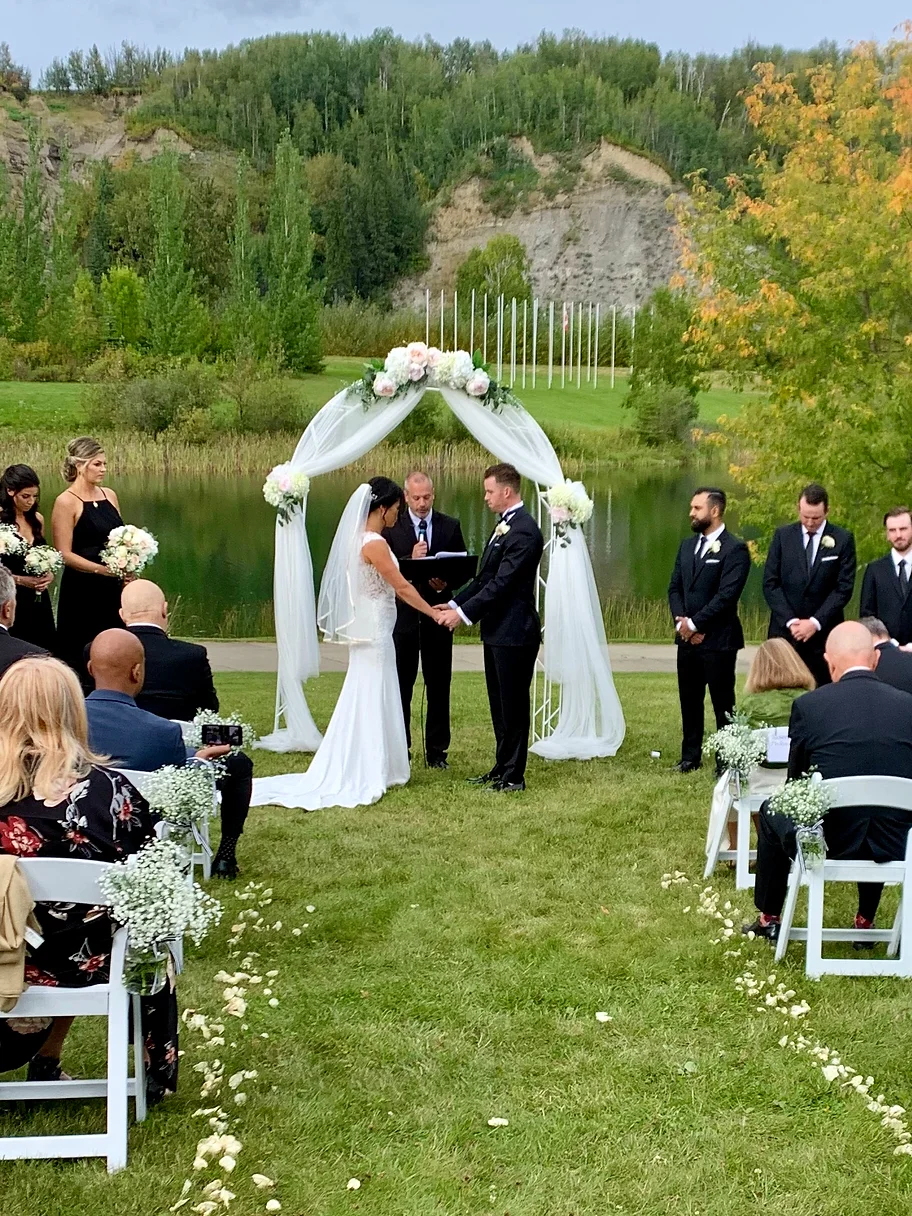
{"x": 88, "y": 603}
{"x": 34, "y": 615}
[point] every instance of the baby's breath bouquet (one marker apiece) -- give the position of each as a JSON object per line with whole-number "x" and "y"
{"x": 150, "y": 894}
{"x": 739, "y": 746}
{"x": 805, "y": 800}
{"x": 183, "y": 797}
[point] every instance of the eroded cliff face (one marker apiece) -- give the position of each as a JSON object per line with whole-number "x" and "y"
{"x": 611, "y": 239}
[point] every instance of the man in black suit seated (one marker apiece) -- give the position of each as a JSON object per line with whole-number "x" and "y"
{"x": 885, "y": 586}
{"x": 706, "y": 584}
{"x": 502, "y": 598}
{"x": 856, "y": 726}
{"x": 894, "y": 667}
{"x": 808, "y": 579}
{"x": 178, "y": 682}
{"x": 12, "y": 648}
{"x": 420, "y": 531}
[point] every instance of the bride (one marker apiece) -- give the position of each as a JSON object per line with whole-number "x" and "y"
{"x": 364, "y": 750}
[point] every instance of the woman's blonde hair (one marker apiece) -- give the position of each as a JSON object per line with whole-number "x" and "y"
{"x": 44, "y": 742}
{"x": 80, "y": 451}
{"x": 777, "y": 665}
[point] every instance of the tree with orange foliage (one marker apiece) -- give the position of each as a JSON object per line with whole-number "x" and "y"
{"x": 805, "y": 276}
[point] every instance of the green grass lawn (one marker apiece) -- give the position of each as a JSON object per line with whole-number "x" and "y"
{"x": 459, "y": 948}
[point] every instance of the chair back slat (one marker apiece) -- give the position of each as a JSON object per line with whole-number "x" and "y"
{"x": 65, "y": 880}
{"x": 894, "y": 793}
{"x": 138, "y": 779}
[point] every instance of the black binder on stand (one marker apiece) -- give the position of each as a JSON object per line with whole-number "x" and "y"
{"x": 456, "y": 569}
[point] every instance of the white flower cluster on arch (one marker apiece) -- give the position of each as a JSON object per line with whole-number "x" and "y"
{"x": 587, "y": 720}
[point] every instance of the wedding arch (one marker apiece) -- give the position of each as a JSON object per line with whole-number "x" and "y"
{"x": 577, "y": 714}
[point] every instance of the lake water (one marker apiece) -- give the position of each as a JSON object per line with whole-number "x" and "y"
{"x": 216, "y": 537}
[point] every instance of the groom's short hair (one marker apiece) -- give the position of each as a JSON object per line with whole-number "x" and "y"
{"x": 814, "y": 495}
{"x": 504, "y": 475}
{"x": 714, "y": 497}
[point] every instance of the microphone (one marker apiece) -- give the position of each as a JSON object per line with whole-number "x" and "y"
{"x": 422, "y": 530}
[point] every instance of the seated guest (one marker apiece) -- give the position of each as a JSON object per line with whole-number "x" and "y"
{"x": 777, "y": 677}
{"x": 11, "y": 648}
{"x": 58, "y": 800}
{"x": 894, "y": 666}
{"x": 856, "y": 726}
{"x": 178, "y": 682}
{"x": 117, "y": 726}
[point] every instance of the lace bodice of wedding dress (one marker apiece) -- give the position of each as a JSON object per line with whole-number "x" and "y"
{"x": 380, "y": 598}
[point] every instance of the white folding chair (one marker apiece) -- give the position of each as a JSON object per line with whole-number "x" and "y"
{"x": 61, "y": 880}
{"x": 894, "y": 793}
{"x": 741, "y": 805}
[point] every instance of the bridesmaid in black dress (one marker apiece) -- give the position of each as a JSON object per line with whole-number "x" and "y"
{"x": 19, "y": 491}
{"x": 83, "y": 516}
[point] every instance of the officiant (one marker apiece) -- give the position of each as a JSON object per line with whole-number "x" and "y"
{"x": 420, "y": 532}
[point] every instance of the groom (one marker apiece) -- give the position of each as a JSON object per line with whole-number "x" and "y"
{"x": 502, "y": 598}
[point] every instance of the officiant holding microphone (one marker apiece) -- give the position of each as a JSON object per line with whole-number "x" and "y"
{"x": 422, "y": 532}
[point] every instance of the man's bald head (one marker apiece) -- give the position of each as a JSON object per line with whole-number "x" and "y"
{"x": 143, "y": 601}
{"x": 850, "y": 645}
{"x": 117, "y": 662}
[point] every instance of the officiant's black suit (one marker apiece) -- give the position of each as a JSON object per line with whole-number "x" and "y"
{"x": 792, "y": 592}
{"x": 883, "y": 596}
{"x": 859, "y": 726}
{"x": 706, "y": 590}
{"x": 418, "y": 638}
{"x": 502, "y": 598}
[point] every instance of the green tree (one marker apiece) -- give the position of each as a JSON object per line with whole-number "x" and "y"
{"x": 9, "y": 257}
{"x": 31, "y": 250}
{"x": 98, "y": 238}
{"x": 501, "y": 268}
{"x": 123, "y": 306}
{"x": 86, "y": 335}
{"x": 291, "y": 302}
{"x": 63, "y": 258}
{"x": 243, "y": 321}
{"x": 663, "y": 354}
{"x": 176, "y": 318}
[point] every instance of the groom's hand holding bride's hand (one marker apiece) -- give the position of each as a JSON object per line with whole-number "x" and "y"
{"x": 447, "y": 616}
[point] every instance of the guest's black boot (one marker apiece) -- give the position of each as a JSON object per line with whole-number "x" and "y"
{"x": 224, "y": 863}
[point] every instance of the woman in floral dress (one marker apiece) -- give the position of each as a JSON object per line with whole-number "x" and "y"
{"x": 58, "y": 800}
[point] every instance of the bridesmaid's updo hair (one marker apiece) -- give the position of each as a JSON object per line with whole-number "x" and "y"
{"x": 79, "y": 451}
{"x": 384, "y": 492}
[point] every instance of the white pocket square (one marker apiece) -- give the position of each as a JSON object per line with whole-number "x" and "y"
{"x": 834, "y": 558}
{"x": 712, "y": 561}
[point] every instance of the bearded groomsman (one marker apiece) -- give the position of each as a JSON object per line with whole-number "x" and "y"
{"x": 706, "y": 584}
{"x": 808, "y": 579}
{"x": 420, "y": 531}
{"x": 885, "y": 587}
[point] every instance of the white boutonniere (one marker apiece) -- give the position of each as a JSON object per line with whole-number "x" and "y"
{"x": 827, "y": 542}
{"x": 502, "y": 529}
{"x": 715, "y": 547}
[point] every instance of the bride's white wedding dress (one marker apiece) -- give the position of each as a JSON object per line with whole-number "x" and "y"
{"x": 364, "y": 750}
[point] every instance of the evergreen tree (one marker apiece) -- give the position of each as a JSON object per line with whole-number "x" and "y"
{"x": 292, "y": 307}
{"x": 98, "y": 239}
{"x": 241, "y": 312}
{"x": 31, "y": 251}
{"x": 175, "y": 316}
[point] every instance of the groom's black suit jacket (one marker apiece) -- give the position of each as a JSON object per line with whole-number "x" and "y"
{"x": 883, "y": 597}
{"x": 707, "y": 591}
{"x": 502, "y": 594}
{"x": 446, "y": 537}
{"x": 792, "y": 593}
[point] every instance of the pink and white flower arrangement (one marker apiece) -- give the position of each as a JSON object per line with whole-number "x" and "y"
{"x": 418, "y": 364}
{"x": 286, "y": 490}
{"x": 41, "y": 560}
{"x": 478, "y": 383}
{"x": 569, "y": 507}
{"x": 128, "y": 550}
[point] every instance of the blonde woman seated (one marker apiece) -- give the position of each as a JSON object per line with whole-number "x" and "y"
{"x": 58, "y": 800}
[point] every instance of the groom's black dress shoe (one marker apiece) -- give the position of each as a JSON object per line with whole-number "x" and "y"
{"x": 506, "y": 787}
{"x": 484, "y": 779}
{"x": 685, "y": 766}
{"x": 770, "y": 931}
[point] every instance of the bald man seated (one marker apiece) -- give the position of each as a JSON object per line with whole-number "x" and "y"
{"x": 856, "y": 726}
{"x": 178, "y": 683}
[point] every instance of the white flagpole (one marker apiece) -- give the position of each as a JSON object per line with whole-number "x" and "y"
{"x": 472, "y": 326}
{"x": 589, "y": 345}
{"x": 614, "y": 317}
{"x": 633, "y": 335}
{"x": 441, "y": 319}
{"x": 455, "y": 319}
{"x": 484, "y": 335}
{"x": 525, "y": 316}
{"x": 579, "y": 344}
{"x": 427, "y": 316}
{"x": 563, "y": 343}
{"x": 595, "y": 364}
{"x": 550, "y": 342}
{"x": 570, "y": 344}
{"x": 535, "y": 337}
{"x": 500, "y": 336}
{"x": 513, "y": 343}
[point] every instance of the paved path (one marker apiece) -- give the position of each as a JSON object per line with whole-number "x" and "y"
{"x": 261, "y": 656}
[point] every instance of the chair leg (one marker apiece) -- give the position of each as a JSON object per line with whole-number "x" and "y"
{"x": 742, "y": 854}
{"x": 207, "y": 850}
{"x": 813, "y": 967}
{"x": 117, "y": 1081}
{"x": 788, "y": 910}
{"x": 139, "y": 1061}
{"x": 904, "y": 919}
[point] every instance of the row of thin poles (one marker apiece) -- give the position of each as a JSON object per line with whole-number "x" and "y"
{"x": 512, "y": 322}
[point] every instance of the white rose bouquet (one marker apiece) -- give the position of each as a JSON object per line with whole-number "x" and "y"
{"x": 43, "y": 559}
{"x": 183, "y": 797}
{"x": 128, "y": 550}
{"x": 739, "y": 747}
{"x": 12, "y": 543}
{"x": 286, "y": 490}
{"x": 150, "y": 894}
{"x": 569, "y": 507}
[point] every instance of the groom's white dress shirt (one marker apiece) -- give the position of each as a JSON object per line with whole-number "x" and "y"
{"x": 504, "y": 519}
{"x": 815, "y": 545}
{"x": 709, "y": 537}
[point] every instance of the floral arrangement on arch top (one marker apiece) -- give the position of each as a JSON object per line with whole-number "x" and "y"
{"x": 419, "y": 364}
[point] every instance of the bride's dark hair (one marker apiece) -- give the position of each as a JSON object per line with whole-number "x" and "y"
{"x": 384, "y": 492}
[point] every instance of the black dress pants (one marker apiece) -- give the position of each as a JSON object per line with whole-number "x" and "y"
{"x": 698, "y": 669}
{"x": 508, "y": 674}
{"x": 433, "y": 647}
{"x": 236, "y": 788}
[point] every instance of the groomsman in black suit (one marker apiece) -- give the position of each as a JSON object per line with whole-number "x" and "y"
{"x": 706, "y": 584}
{"x": 808, "y": 579}
{"x": 885, "y": 586}
{"x": 420, "y": 531}
{"x": 502, "y": 598}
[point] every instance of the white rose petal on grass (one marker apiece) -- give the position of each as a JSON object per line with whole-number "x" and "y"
{"x": 227, "y": 1163}
{"x": 310, "y": 908}
{"x": 273, "y": 1001}
{"x": 353, "y": 1184}
{"x": 273, "y": 1205}
{"x": 262, "y": 1181}
{"x": 601, "y": 1016}
{"x": 498, "y": 1122}
{"x": 296, "y": 933}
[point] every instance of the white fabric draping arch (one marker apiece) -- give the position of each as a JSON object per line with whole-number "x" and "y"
{"x": 590, "y": 721}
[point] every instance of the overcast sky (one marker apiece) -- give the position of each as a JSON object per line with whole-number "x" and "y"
{"x": 37, "y": 30}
